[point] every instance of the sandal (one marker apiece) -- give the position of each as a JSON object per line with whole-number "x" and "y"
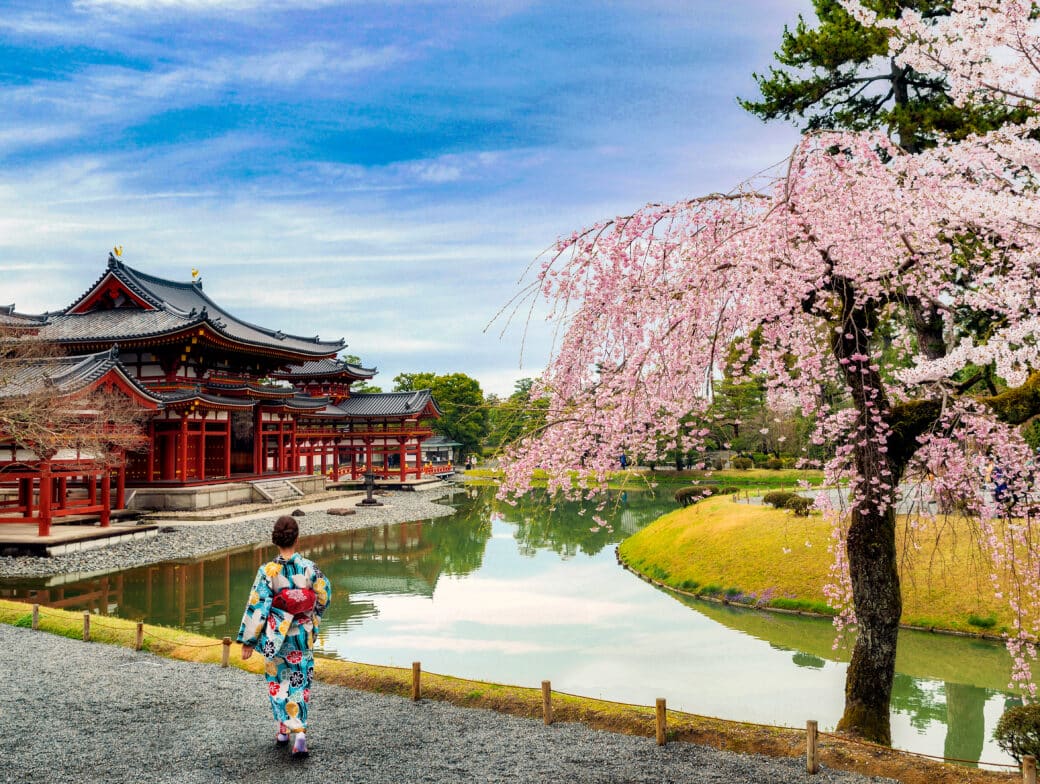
{"x": 299, "y": 749}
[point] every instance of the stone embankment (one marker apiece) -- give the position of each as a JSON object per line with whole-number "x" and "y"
{"x": 181, "y": 539}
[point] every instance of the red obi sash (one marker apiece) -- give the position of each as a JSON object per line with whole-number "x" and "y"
{"x": 296, "y": 601}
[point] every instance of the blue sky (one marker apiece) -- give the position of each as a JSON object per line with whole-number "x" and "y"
{"x": 381, "y": 172}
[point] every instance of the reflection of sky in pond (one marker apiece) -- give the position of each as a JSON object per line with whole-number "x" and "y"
{"x": 521, "y": 596}
{"x": 594, "y": 629}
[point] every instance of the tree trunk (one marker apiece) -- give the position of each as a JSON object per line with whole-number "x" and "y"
{"x": 876, "y": 597}
{"x": 871, "y": 542}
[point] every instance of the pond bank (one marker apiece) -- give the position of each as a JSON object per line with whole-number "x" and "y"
{"x": 363, "y": 737}
{"x": 183, "y": 539}
{"x": 766, "y": 558}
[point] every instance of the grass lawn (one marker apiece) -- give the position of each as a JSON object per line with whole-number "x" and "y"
{"x": 760, "y": 555}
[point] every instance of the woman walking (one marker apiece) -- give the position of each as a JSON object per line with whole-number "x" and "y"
{"x": 289, "y": 596}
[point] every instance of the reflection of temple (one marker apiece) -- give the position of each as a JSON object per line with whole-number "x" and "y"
{"x": 209, "y": 596}
{"x": 226, "y": 401}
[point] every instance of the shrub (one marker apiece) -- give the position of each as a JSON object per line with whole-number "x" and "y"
{"x": 1018, "y": 731}
{"x": 691, "y": 495}
{"x": 778, "y": 498}
{"x": 742, "y": 463}
{"x": 773, "y": 464}
{"x": 983, "y": 623}
{"x": 800, "y": 505}
{"x": 758, "y": 458}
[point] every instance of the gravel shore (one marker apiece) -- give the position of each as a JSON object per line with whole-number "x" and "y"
{"x": 192, "y": 540}
{"x": 82, "y": 712}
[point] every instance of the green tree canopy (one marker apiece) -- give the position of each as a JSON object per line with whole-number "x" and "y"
{"x": 516, "y": 416}
{"x": 359, "y": 386}
{"x": 461, "y": 401}
{"x": 839, "y": 75}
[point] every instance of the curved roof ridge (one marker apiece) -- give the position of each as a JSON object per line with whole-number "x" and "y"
{"x": 195, "y": 287}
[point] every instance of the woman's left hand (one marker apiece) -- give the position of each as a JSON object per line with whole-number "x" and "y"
{"x": 247, "y": 651}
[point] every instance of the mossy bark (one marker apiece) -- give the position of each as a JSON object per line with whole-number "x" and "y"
{"x": 871, "y": 550}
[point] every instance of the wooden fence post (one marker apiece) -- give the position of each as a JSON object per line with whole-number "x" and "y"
{"x": 1028, "y": 769}
{"x": 547, "y": 709}
{"x": 36, "y": 617}
{"x": 416, "y": 681}
{"x": 812, "y": 750}
{"x": 139, "y": 642}
{"x": 86, "y": 627}
{"x": 225, "y": 652}
{"x": 661, "y": 719}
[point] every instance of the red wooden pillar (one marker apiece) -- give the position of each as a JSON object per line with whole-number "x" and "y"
{"x": 106, "y": 498}
{"x": 418, "y": 460}
{"x": 63, "y": 491}
{"x": 91, "y": 489}
{"x": 294, "y": 447}
{"x": 324, "y": 457}
{"x": 335, "y": 460}
{"x": 152, "y": 446}
{"x": 44, "y": 528}
{"x": 227, "y": 446}
{"x": 353, "y": 460}
{"x": 280, "y": 461}
{"x": 402, "y": 453}
{"x": 259, "y": 459}
{"x": 182, "y": 451}
{"x": 22, "y": 494}
{"x": 121, "y": 484}
{"x": 200, "y": 456}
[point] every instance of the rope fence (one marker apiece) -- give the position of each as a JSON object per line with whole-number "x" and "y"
{"x": 1028, "y": 765}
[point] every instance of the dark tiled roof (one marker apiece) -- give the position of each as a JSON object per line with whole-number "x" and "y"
{"x": 326, "y": 367}
{"x": 188, "y": 395}
{"x": 266, "y": 390}
{"x": 380, "y": 404}
{"x": 9, "y": 317}
{"x": 297, "y": 403}
{"x": 64, "y": 375}
{"x": 115, "y": 325}
{"x": 177, "y": 305}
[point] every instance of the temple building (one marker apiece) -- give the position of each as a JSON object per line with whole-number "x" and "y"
{"x": 232, "y": 407}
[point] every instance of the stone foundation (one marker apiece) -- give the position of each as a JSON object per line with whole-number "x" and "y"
{"x": 182, "y": 499}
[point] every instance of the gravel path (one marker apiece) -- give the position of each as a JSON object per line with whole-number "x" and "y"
{"x": 192, "y": 540}
{"x": 81, "y": 712}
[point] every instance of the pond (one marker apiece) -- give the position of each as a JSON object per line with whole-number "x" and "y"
{"x": 523, "y": 594}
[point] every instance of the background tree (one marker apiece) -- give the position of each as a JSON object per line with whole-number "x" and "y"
{"x": 841, "y": 244}
{"x": 519, "y": 415}
{"x": 360, "y": 386}
{"x": 461, "y": 400}
{"x": 45, "y": 418}
{"x": 840, "y": 75}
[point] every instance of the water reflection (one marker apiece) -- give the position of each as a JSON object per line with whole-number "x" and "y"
{"x": 520, "y": 594}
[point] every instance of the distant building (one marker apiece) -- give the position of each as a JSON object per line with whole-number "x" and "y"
{"x": 227, "y": 401}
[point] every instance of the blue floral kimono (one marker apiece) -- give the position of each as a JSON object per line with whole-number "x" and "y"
{"x": 286, "y": 640}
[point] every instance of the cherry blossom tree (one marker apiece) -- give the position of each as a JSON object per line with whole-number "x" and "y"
{"x": 909, "y": 281}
